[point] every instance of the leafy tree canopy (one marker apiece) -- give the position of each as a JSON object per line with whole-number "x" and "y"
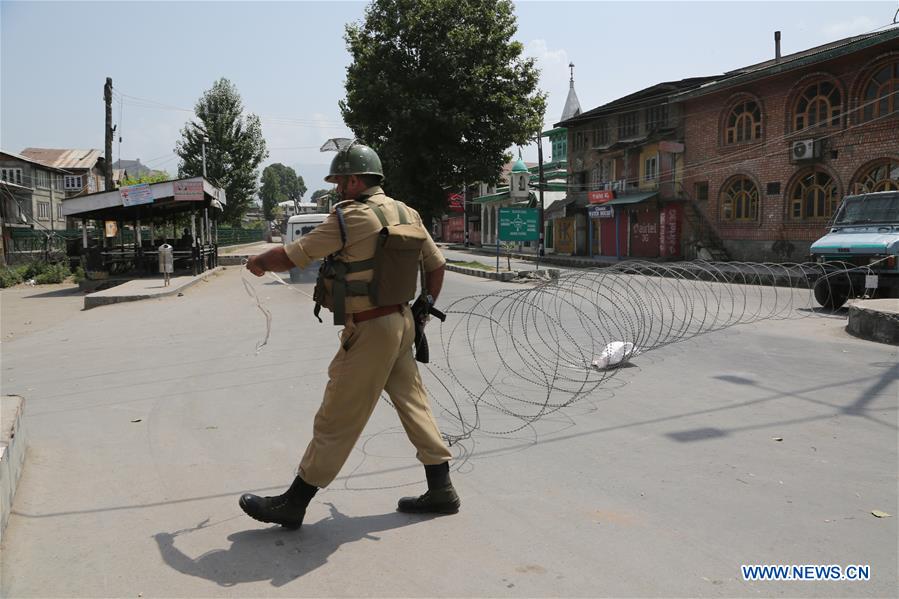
{"x": 440, "y": 90}
{"x": 280, "y": 183}
{"x": 148, "y": 177}
{"x": 234, "y": 150}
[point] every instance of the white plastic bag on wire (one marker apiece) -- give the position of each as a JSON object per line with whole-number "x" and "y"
{"x": 615, "y": 354}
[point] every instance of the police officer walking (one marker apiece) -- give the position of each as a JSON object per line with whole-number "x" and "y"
{"x": 365, "y": 283}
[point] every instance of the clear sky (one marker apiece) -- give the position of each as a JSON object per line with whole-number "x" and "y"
{"x": 288, "y": 61}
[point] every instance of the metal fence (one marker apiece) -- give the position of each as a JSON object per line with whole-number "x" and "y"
{"x": 228, "y": 236}
{"x": 31, "y": 241}
{"x": 26, "y": 245}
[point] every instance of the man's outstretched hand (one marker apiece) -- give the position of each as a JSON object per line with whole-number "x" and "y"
{"x": 254, "y": 266}
{"x": 275, "y": 259}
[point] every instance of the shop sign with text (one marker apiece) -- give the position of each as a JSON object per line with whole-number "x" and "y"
{"x": 599, "y": 197}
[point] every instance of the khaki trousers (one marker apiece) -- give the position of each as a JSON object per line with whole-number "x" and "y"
{"x": 374, "y": 356}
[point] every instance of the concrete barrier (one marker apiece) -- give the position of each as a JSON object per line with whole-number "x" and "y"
{"x": 875, "y": 320}
{"x": 477, "y": 272}
{"x": 12, "y": 452}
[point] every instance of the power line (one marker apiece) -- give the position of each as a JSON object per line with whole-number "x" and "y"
{"x": 148, "y": 103}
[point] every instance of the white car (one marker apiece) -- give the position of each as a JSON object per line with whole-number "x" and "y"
{"x": 297, "y": 226}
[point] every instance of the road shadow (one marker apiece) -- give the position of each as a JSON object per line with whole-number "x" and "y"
{"x": 71, "y": 291}
{"x": 277, "y": 554}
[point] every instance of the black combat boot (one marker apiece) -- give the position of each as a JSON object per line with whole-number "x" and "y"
{"x": 287, "y": 509}
{"x": 441, "y": 497}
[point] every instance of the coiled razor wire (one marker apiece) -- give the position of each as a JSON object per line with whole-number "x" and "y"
{"x": 514, "y": 356}
{"x": 522, "y": 354}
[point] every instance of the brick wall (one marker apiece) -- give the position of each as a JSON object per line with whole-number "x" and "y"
{"x": 847, "y": 149}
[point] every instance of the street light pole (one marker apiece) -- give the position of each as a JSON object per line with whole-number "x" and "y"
{"x": 540, "y": 183}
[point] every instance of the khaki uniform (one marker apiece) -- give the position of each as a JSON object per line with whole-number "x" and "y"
{"x": 374, "y": 356}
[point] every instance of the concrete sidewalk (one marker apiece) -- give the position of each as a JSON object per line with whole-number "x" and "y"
{"x": 153, "y": 287}
{"x": 145, "y": 288}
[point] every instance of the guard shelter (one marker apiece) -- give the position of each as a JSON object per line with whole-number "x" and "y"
{"x": 154, "y": 212}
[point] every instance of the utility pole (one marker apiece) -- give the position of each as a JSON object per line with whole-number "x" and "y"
{"x": 107, "y": 97}
{"x": 540, "y": 184}
{"x": 465, "y": 211}
{"x": 203, "y": 146}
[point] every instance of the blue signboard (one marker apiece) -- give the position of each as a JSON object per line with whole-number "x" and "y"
{"x": 601, "y": 211}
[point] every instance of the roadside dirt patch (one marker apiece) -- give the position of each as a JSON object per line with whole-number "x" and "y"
{"x": 25, "y": 309}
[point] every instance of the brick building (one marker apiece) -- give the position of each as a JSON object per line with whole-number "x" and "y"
{"x": 771, "y": 149}
{"x": 625, "y": 165}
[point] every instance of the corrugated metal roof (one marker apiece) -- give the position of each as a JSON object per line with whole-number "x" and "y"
{"x": 791, "y": 62}
{"x": 649, "y": 95}
{"x": 30, "y": 160}
{"x": 558, "y": 204}
{"x": 64, "y": 158}
{"x": 824, "y": 48}
{"x": 634, "y": 198}
{"x": 501, "y": 193}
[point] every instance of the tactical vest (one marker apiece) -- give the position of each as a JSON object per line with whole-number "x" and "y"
{"x": 395, "y": 264}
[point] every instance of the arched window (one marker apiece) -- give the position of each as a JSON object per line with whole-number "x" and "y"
{"x": 819, "y": 105}
{"x": 813, "y": 195}
{"x": 879, "y": 94}
{"x": 740, "y": 200}
{"x": 744, "y": 123}
{"x": 883, "y": 175}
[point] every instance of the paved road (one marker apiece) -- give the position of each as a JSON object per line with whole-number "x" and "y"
{"x": 765, "y": 443}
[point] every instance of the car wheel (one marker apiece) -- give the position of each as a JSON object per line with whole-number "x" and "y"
{"x": 831, "y": 294}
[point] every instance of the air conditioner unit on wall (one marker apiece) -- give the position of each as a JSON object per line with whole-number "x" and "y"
{"x": 805, "y": 149}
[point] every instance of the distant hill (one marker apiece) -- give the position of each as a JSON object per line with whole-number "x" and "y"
{"x": 134, "y": 168}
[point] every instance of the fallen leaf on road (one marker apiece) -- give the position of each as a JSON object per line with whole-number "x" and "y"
{"x": 136, "y": 420}
{"x": 880, "y": 514}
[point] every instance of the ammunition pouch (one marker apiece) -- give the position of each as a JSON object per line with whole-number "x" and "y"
{"x": 336, "y": 271}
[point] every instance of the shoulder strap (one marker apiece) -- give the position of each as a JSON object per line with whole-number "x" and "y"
{"x": 401, "y": 210}
{"x": 342, "y": 225}
{"x": 380, "y": 214}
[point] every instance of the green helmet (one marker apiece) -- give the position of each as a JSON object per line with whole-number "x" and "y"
{"x": 358, "y": 159}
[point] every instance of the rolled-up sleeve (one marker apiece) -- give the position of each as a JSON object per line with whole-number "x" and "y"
{"x": 322, "y": 241}
{"x": 431, "y": 254}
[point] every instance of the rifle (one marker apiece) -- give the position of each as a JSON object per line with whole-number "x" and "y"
{"x": 421, "y": 309}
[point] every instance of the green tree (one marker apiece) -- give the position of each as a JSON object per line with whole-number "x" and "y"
{"x": 150, "y": 177}
{"x": 440, "y": 90}
{"x": 234, "y": 150}
{"x": 280, "y": 183}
